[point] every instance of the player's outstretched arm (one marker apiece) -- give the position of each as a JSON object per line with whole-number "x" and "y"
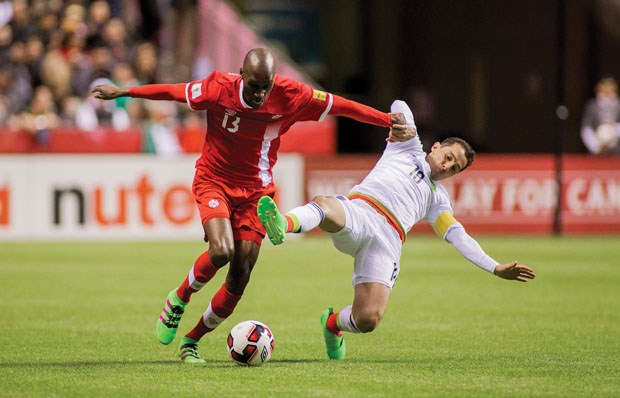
{"x": 110, "y": 91}
{"x": 472, "y": 251}
{"x": 514, "y": 271}
{"x": 167, "y": 92}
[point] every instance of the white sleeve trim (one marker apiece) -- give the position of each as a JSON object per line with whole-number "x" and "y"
{"x": 470, "y": 249}
{"x": 330, "y": 101}
{"x": 187, "y": 96}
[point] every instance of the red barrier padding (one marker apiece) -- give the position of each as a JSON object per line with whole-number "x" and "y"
{"x": 71, "y": 140}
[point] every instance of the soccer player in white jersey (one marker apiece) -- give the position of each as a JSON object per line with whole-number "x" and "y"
{"x": 371, "y": 223}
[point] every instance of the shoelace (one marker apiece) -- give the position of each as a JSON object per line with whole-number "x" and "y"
{"x": 174, "y": 316}
{"x": 189, "y": 350}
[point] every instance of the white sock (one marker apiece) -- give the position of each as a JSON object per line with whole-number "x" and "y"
{"x": 346, "y": 323}
{"x": 309, "y": 216}
{"x": 194, "y": 284}
{"x": 210, "y": 319}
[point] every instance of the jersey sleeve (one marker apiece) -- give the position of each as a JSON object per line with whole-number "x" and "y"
{"x": 200, "y": 94}
{"x": 440, "y": 216}
{"x": 169, "y": 92}
{"x": 311, "y": 104}
{"x": 470, "y": 249}
{"x": 360, "y": 112}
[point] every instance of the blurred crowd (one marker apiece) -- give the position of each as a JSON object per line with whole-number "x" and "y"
{"x": 53, "y": 52}
{"x": 600, "y": 124}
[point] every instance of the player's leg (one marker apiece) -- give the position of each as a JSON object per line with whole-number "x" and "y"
{"x": 369, "y": 304}
{"x": 218, "y": 232}
{"x": 247, "y": 236}
{"x": 362, "y": 317}
{"x": 376, "y": 248}
{"x": 221, "y": 247}
{"x": 324, "y": 211}
{"x": 226, "y": 298}
{"x": 212, "y": 201}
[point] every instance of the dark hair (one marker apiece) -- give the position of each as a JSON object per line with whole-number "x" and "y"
{"x": 469, "y": 151}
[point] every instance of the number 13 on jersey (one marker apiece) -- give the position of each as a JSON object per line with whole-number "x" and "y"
{"x": 233, "y": 126}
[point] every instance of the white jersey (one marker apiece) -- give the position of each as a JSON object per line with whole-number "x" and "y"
{"x": 400, "y": 182}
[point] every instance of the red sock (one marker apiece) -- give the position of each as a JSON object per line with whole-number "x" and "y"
{"x": 290, "y": 225}
{"x": 222, "y": 305}
{"x": 199, "y": 330}
{"x": 203, "y": 270}
{"x": 332, "y": 324}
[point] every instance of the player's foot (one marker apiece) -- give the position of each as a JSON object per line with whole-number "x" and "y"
{"x": 334, "y": 344}
{"x": 170, "y": 317}
{"x": 188, "y": 351}
{"x": 274, "y": 222}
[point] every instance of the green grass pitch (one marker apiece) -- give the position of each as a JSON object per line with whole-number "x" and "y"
{"x": 78, "y": 319}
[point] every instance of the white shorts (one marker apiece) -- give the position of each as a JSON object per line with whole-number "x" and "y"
{"x": 371, "y": 241}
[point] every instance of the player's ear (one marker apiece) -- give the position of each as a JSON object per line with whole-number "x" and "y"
{"x": 241, "y": 71}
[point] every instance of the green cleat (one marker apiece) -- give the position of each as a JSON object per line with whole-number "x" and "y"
{"x": 169, "y": 318}
{"x": 274, "y": 222}
{"x": 334, "y": 344}
{"x": 188, "y": 351}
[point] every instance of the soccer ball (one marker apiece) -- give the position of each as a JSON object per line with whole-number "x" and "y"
{"x": 250, "y": 343}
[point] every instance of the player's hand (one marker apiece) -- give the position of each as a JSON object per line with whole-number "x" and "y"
{"x": 514, "y": 271}
{"x": 398, "y": 118}
{"x": 401, "y": 133}
{"x": 109, "y": 91}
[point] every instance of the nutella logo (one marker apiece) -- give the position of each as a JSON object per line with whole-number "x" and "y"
{"x": 109, "y": 206}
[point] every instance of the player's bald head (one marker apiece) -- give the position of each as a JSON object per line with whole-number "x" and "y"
{"x": 260, "y": 63}
{"x": 258, "y": 74}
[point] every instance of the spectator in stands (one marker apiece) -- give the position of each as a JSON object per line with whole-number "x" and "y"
{"x": 600, "y": 126}
{"x": 66, "y": 46}
{"x": 160, "y": 135}
{"x": 93, "y": 113}
{"x": 40, "y": 117}
{"x": 35, "y": 51}
{"x": 115, "y": 38}
{"x": 146, "y": 63}
{"x": 6, "y": 38}
{"x": 19, "y": 61}
{"x": 15, "y": 92}
{"x": 47, "y": 22}
{"x": 98, "y": 15}
{"x": 123, "y": 76}
{"x": 94, "y": 63}
{"x": 21, "y": 23}
{"x": 56, "y": 73}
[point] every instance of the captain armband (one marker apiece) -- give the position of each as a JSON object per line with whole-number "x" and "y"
{"x": 443, "y": 223}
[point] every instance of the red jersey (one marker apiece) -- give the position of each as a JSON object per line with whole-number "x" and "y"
{"x": 241, "y": 143}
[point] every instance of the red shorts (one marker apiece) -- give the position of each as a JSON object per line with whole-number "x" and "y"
{"x": 216, "y": 199}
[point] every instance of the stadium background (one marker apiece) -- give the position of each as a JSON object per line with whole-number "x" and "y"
{"x": 494, "y": 73}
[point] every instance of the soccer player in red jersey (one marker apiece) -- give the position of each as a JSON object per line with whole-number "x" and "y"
{"x": 247, "y": 114}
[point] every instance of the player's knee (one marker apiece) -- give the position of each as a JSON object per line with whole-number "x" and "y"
{"x": 237, "y": 285}
{"x": 321, "y": 201}
{"x": 221, "y": 253}
{"x": 239, "y": 276}
{"x": 367, "y": 322}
